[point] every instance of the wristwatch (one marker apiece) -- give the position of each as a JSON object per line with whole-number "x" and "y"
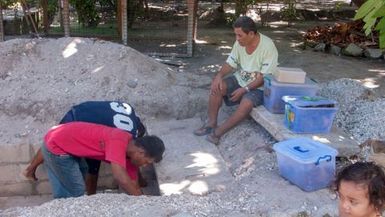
{"x": 247, "y": 88}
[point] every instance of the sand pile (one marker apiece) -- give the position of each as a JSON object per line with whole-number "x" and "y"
{"x": 41, "y": 78}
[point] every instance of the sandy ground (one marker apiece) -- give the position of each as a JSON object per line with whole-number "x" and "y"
{"x": 246, "y": 149}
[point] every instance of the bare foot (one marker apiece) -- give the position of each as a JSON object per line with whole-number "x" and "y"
{"x": 29, "y": 174}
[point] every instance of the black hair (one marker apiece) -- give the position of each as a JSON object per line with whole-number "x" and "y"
{"x": 152, "y": 145}
{"x": 246, "y": 24}
{"x": 141, "y": 129}
{"x": 369, "y": 174}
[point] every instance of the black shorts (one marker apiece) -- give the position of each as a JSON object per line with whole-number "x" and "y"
{"x": 255, "y": 96}
{"x": 92, "y": 164}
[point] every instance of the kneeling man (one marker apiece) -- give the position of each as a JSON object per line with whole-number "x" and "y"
{"x": 67, "y": 145}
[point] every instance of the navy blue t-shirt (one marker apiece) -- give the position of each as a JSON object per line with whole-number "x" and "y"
{"x": 110, "y": 113}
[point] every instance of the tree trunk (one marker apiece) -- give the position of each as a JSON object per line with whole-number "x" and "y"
{"x": 1, "y": 24}
{"x": 44, "y": 5}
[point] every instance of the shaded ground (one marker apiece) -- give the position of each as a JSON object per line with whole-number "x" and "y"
{"x": 319, "y": 66}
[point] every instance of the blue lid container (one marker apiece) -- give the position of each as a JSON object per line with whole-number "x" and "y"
{"x": 273, "y": 91}
{"x": 309, "y": 114}
{"x": 306, "y": 163}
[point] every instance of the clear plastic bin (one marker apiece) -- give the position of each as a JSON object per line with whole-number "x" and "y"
{"x": 274, "y": 91}
{"x": 306, "y": 163}
{"x": 306, "y": 114}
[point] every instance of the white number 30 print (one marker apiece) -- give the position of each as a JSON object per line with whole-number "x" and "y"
{"x": 122, "y": 119}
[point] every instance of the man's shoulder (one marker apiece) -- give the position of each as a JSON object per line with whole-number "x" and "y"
{"x": 266, "y": 39}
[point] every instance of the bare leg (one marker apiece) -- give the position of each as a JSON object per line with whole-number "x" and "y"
{"x": 91, "y": 183}
{"x": 30, "y": 171}
{"x": 239, "y": 115}
{"x": 215, "y": 103}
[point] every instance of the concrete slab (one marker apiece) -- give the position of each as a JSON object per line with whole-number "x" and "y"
{"x": 14, "y": 201}
{"x": 273, "y": 123}
{"x": 190, "y": 164}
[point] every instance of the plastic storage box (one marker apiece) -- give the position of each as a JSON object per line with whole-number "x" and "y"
{"x": 274, "y": 90}
{"x": 306, "y": 163}
{"x": 290, "y": 75}
{"x": 309, "y": 114}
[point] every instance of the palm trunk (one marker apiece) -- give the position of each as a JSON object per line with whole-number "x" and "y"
{"x": 1, "y": 24}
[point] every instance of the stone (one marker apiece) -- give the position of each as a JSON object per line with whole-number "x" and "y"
{"x": 182, "y": 214}
{"x": 373, "y": 53}
{"x": 352, "y": 50}
{"x": 320, "y": 47}
{"x": 335, "y": 50}
{"x": 132, "y": 83}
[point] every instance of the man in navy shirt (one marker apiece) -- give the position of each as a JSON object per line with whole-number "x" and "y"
{"x": 109, "y": 113}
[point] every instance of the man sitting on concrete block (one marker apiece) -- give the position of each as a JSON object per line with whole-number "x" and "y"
{"x": 66, "y": 145}
{"x": 252, "y": 56}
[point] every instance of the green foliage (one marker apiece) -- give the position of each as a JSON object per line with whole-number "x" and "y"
{"x": 289, "y": 10}
{"x": 51, "y": 10}
{"x": 241, "y": 6}
{"x": 87, "y": 13}
{"x": 7, "y": 3}
{"x": 373, "y": 14}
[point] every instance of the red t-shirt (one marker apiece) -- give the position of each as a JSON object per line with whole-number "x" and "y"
{"x": 93, "y": 141}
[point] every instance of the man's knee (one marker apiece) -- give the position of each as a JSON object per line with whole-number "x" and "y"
{"x": 246, "y": 105}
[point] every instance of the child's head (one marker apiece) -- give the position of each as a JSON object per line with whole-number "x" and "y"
{"x": 361, "y": 190}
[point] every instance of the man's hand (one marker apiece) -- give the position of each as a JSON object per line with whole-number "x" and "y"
{"x": 125, "y": 182}
{"x": 237, "y": 94}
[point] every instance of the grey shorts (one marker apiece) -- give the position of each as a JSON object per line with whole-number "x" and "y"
{"x": 255, "y": 96}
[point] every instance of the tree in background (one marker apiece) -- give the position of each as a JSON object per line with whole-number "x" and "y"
{"x": 373, "y": 14}
{"x": 1, "y": 22}
{"x": 86, "y": 10}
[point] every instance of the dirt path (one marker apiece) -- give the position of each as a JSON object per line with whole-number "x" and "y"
{"x": 215, "y": 44}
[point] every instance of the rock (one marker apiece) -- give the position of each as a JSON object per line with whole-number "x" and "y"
{"x": 373, "y": 53}
{"x": 352, "y": 50}
{"x": 335, "y": 50}
{"x": 132, "y": 83}
{"x": 320, "y": 47}
{"x": 183, "y": 214}
{"x": 311, "y": 44}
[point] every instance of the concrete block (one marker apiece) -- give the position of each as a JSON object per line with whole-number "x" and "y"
{"x": 16, "y": 189}
{"x": 41, "y": 173}
{"x": 22, "y": 201}
{"x": 17, "y": 153}
{"x": 43, "y": 187}
{"x": 107, "y": 182}
{"x": 105, "y": 169}
{"x": 273, "y": 123}
{"x": 11, "y": 173}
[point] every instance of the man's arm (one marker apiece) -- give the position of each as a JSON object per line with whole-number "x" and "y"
{"x": 120, "y": 175}
{"x": 216, "y": 85}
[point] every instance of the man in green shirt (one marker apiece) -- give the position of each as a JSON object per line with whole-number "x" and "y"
{"x": 240, "y": 79}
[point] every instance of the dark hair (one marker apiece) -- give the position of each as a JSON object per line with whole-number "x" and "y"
{"x": 246, "y": 24}
{"x": 369, "y": 174}
{"x": 141, "y": 129}
{"x": 152, "y": 145}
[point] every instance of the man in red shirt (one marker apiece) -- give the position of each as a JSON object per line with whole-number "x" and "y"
{"x": 66, "y": 145}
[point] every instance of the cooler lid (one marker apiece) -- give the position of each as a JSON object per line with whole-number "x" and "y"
{"x": 305, "y": 150}
{"x": 310, "y": 101}
{"x": 272, "y": 82}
